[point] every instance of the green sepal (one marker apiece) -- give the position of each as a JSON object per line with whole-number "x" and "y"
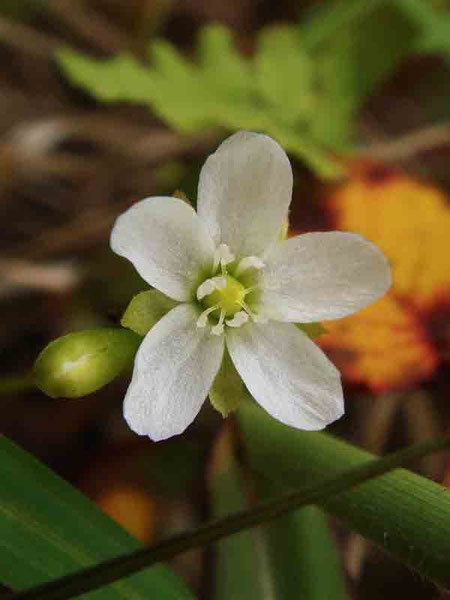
{"x": 145, "y": 310}
{"x": 181, "y": 196}
{"x": 228, "y": 389}
{"x": 283, "y": 235}
{"x": 312, "y": 330}
{"x": 80, "y": 363}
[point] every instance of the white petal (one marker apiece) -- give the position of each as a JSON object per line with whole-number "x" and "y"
{"x": 244, "y": 192}
{"x": 319, "y": 276}
{"x": 166, "y": 242}
{"x": 287, "y": 374}
{"x": 173, "y": 372}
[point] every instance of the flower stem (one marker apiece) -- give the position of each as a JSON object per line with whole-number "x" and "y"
{"x": 110, "y": 571}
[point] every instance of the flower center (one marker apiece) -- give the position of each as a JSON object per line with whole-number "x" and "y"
{"x": 223, "y": 295}
{"x": 228, "y": 298}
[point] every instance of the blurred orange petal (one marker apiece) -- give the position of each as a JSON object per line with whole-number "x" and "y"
{"x": 132, "y": 507}
{"x": 400, "y": 340}
{"x": 383, "y": 346}
{"x": 409, "y": 221}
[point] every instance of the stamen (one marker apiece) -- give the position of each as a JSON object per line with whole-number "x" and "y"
{"x": 238, "y": 319}
{"x": 221, "y": 282}
{"x": 248, "y": 262}
{"x": 259, "y": 318}
{"x": 202, "y": 321}
{"x": 256, "y": 318}
{"x": 250, "y": 289}
{"x": 222, "y": 256}
{"x": 209, "y": 285}
{"x": 218, "y": 329}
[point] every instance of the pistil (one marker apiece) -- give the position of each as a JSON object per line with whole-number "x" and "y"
{"x": 225, "y": 293}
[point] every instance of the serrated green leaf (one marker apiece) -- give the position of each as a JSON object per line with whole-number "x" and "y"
{"x": 217, "y": 53}
{"x": 228, "y": 389}
{"x": 48, "y": 529}
{"x": 302, "y": 145}
{"x": 118, "y": 79}
{"x": 303, "y": 90}
{"x": 219, "y": 90}
{"x": 145, "y": 310}
{"x": 285, "y": 73}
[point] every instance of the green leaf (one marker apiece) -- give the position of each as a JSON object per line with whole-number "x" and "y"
{"x": 145, "y": 310}
{"x": 303, "y": 557}
{"x": 228, "y": 389}
{"x": 351, "y": 65}
{"x": 119, "y": 79}
{"x": 333, "y": 18}
{"x": 48, "y": 529}
{"x": 407, "y": 515}
{"x": 178, "y": 96}
{"x": 106, "y": 572}
{"x": 302, "y": 145}
{"x": 217, "y": 53}
{"x": 239, "y": 562}
{"x": 80, "y": 363}
{"x": 285, "y": 73}
{"x": 422, "y": 12}
{"x": 190, "y": 96}
{"x": 436, "y": 39}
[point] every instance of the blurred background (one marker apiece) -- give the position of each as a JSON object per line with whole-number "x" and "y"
{"x": 105, "y": 102}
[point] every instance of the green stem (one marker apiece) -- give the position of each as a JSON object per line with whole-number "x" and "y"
{"x": 109, "y": 571}
{"x": 16, "y": 384}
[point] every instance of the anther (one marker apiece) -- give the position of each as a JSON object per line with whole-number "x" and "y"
{"x": 254, "y": 317}
{"x": 248, "y": 262}
{"x": 238, "y": 319}
{"x": 202, "y": 321}
{"x": 218, "y": 329}
{"x": 223, "y": 256}
{"x": 209, "y": 285}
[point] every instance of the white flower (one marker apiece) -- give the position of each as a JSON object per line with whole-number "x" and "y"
{"x": 238, "y": 285}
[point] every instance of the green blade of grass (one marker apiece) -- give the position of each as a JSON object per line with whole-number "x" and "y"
{"x": 302, "y": 555}
{"x": 92, "y": 578}
{"x": 240, "y": 565}
{"x": 48, "y": 529}
{"x": 406, "y": 514}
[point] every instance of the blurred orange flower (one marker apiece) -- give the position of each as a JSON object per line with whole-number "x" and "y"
{"x": 402, "y": 338}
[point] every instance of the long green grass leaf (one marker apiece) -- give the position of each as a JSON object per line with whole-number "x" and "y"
{"x": 406, "y": 514}
{"x": 48, "y": 529}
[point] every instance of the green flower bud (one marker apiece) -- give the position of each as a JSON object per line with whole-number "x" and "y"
{"x": 80, "y": 363}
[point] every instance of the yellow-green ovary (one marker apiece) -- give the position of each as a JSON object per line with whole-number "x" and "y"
{"x": 228, "y": 299}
